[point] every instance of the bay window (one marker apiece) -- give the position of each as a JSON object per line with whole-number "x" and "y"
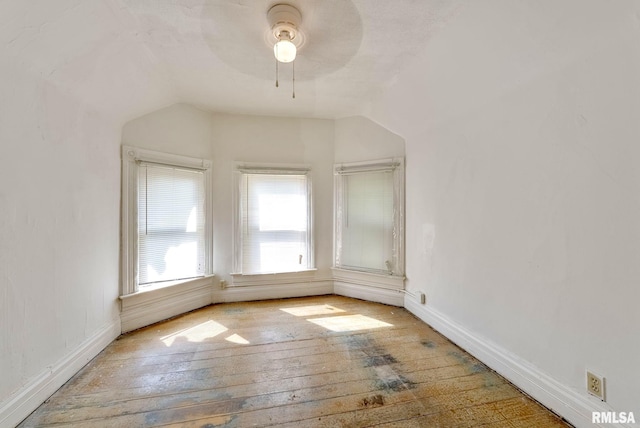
{"x": 273, "y": 232}
{"x": 166, "y": 219}
{"x": 369, "y": 217}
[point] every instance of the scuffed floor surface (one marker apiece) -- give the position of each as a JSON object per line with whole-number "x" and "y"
{"x": 325, "y": 361}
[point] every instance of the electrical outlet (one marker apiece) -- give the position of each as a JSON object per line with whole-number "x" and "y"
{"x": 423, "y": 298}
{"x": 223, "y": 284}
{"x": 595, "y": 385}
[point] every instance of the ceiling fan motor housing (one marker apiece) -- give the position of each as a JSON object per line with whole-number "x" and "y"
{"x": 284, "y": 20}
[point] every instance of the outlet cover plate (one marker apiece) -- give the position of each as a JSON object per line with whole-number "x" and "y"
{"x": 595, "y": 385}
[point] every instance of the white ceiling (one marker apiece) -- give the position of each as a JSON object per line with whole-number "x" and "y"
{"x": 213, "y": 53}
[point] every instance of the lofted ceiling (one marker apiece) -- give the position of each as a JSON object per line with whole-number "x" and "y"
{"x": 138, "y": 55}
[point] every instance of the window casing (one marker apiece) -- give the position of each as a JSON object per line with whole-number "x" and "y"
{"x": 369, "y": 216}
{"x": 273, "y": 222}
{"x": 166, "y": 219}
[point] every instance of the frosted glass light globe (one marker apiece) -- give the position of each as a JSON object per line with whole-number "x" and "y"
{"x": 285, "y": 51}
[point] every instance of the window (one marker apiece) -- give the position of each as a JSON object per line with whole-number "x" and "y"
{"x": 273, "y": 220}
{"x": 170, "y": 223}
{"x": 166, "y": 219}
{"x": 370, "y": 216}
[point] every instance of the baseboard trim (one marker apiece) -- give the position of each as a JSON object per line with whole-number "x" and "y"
{"x": 566, "y": 402}
{"x": 27, "y": 399}
{"x": 391, "y": 282}
{"x": 143, "y": 309}
{"x": 370, "y": 293}
{"x": 247, "y": 293}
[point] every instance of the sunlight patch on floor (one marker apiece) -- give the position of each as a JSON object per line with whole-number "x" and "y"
{"x": 236, "y": 338}
{"x": 349, "y": 323}
{"x": 198, "y": 333}
{"x": 308, "y": 311}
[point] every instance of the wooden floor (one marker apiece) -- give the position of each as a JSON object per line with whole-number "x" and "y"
{"x": 326, "y": 361}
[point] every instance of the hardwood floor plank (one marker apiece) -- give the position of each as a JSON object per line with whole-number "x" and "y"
{"x": 321, "y": 361}
{"x": 262, "y": 396}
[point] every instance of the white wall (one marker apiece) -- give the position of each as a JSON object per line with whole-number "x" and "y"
{"x": 63, "y": 99}
{"x": 360, "y": 139}
{"x": 225, "y": 139}
{"x": 523, "y": 186}
{"x": 59, "y": 223}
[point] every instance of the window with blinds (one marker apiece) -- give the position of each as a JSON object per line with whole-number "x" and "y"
{"x": 367, "y": 227}
{"x": 274, "y": 223}
{"x": 171, "y": 223}
{"x": 369, "y": 217}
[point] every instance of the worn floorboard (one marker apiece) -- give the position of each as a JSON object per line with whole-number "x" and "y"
{"x": 325, "y": 361}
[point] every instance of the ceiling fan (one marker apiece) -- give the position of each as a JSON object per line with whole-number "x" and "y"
{"x": 286, "y": 36}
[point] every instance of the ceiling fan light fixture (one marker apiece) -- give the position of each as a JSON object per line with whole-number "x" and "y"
{"x": 285, "y": 50}
{"x": 284, "y": 20}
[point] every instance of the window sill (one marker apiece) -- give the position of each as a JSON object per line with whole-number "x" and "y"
{"x": 241, "y": 279}
{"x": 169, "y": 287}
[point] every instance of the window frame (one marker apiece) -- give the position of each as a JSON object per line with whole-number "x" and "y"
{"x": 396, "y": 166}
{"x": 131, "y": 157}
{"x": 241, "y": 168}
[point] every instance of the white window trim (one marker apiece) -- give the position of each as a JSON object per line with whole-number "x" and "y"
{"x": 129, "y": 233}
{"x": 245, "y": 167}
{"x": 391, "y": 164}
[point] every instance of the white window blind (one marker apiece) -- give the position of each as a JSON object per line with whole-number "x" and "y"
{"x": 171, "y": 223}
{"x": 275, "y": 222}
{"x": 367, "y": 235}
{"x": 370, "y": 216}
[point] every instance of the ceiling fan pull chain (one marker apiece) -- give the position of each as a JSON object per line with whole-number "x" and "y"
{"x": 293, "y": 80}
{"x": 276, "y": 73}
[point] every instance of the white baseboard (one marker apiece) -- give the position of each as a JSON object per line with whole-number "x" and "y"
{"x": 247, "y": 293}
{"x": 145, "y": 308}
{"x": 391, "y": 282}
{"x": 24, "y": 401}
{"x": 566, "y": 402}
{"x": 370, "y": 293}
